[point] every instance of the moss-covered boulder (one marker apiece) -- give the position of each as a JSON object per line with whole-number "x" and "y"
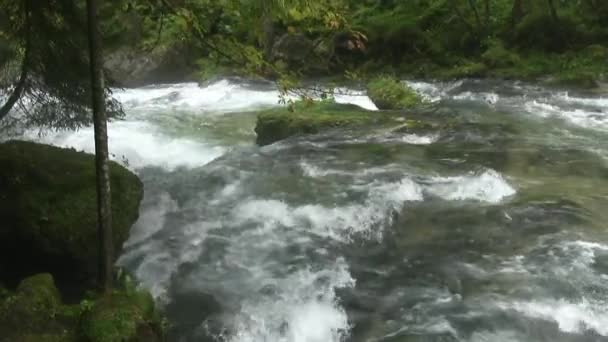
{"x": 122, "y": 316}
{"x": 36, "y": 313}
{"x": 390, "y": 93}
{"x": 312, "y": 118}
{"x": 48, "y": 220}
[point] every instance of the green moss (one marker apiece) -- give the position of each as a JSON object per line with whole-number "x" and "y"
{"x": 122, "y": 316}
{"x": 390, "y": 93}
{"x": 48, "y": 218}
{"x": 36, "y": 313}
{"x": 278, "y": 124}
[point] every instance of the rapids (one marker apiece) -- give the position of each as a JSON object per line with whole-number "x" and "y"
{"x": 491, "y": 228}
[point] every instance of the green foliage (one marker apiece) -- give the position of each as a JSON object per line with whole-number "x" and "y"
{"x": 44, "y": 35}
{"x": 120, "y": 316}
{"x": 390, "y": 93}
{"x": 539, "y": 31}
{"x": 48, "y": 210}
{"x": 36, "y": 313}
{"x": 497, "y": 56}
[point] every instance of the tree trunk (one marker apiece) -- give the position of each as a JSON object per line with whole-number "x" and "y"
{"x": 488, "y": 19}
{"x": 517, "y": 13}
{"x": 269, "y": 35}
{"x": 25, "y": 66}
{"x": 473, "y": 6}
{"x": 104, "y": 212}
{"x": 553, "y": 10}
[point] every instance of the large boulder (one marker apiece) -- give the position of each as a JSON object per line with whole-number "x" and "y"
{"x": 48, "y": 213}
{"x": 312, "y": 118}
{"x": 35, "y": 312}
{"x": 133, "y": 67}
{"x": 292, "y": 48}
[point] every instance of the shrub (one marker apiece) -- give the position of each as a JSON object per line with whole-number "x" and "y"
{"x": 497, "y": 56}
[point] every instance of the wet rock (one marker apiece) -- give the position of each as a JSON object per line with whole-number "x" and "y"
{"x": 279, "y": 124}
{"x": 292, "y": 48}
{"x": 131, "y": 67}
{"x": 48, "y": 213}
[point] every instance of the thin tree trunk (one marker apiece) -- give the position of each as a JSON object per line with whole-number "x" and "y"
{"x": 454, "y": 6}
{"x": 476, "y": 12}
{"x": 487, "y": 7}
{"x": 517, "y": 13}
{"x": 553, "y": 10}
{"x": 269, "y": 35}
{"x": 104, "y": 212}
{"x": 25, "y": 66}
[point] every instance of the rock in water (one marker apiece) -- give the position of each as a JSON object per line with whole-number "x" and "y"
{"x": 48, "y": 217}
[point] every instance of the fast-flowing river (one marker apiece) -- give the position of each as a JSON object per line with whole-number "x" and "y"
{"x": 491, "y": 226}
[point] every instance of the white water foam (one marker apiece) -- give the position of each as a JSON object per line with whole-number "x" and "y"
{"x": 339, "y": 223}
{"x": 222, "y": 96}
{"x": 570, "y": 317}
{"x": 355, "y": 97}
{"x": 489, "y": 187}
{"x": 137, "y": 144}
{"x": 305, "y": 309}
{"x": 435, "y": 91}
{"x": 429, "y": 91}
{"x": 414, "y": 139}
{"x": 597, "y": 102}
{"x": 489, "y": 98}
{"x": 583, "y": 117}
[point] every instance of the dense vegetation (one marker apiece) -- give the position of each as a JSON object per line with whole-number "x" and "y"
{"x": 438, "y": 38}
{"x": 47, "y": 194}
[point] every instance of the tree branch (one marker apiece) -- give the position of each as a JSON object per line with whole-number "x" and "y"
{"x": 25, "y": 65}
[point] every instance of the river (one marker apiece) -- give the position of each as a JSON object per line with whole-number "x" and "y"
{"x": 489, "y": 226}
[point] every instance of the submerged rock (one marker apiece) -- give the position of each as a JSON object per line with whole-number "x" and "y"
{"x": 48, "y": 220}
{"x": 279, "y": 124}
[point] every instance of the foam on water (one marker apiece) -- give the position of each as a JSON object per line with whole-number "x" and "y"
{"x": 355, "y": 97}
{"x": 339, "y": 223}
{"x": 597, "y": 102}
{"x": 489, "y": 187}
{"x": 571, "y": 317}
{"x": 137, "y": 144}
{"x": 429, "y": 91}
{"x": 488, "y": 98}
{"x": 222, "y": 96}
{"x": 584, "y": 112}
{"x": 304, "y": 309}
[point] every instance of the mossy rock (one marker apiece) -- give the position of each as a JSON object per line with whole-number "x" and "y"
{"x": 48, "y": 212}
{"x": 391, "y": 94}
{"x": 122, "y": 316}
{"x": 35, "y": 313}
{"x": 311, "y": 118}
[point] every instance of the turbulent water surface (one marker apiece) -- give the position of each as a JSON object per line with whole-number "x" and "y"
{"x": 490, "y": 227}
